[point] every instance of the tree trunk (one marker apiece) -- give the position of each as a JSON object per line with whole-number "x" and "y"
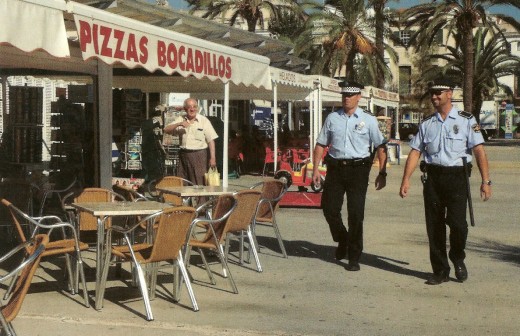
{"x": 379, "y": 6}
{"x": 251, "y": 25}
{"x": 350, "y": 73}
{"x": 467, "y": 90}
{"x": 477, "y": 101}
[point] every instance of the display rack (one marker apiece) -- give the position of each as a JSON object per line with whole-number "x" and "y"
{"x": 25, "y": 124}
{"x": 171, "y": 142}
{"x": 67, "y": 138}
{"x": 131, "y": 118}
{"x": 172, "y": 159}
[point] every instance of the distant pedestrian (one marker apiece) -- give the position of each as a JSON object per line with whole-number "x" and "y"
{"x": 444, "y": 139}
{"x": 349, "y": 133}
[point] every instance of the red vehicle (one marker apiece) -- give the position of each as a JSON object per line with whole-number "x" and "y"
{"x": 301, "y": 177}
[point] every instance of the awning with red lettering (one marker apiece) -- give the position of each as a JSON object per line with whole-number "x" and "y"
{"x": 116, "y": 39}
{"x": 31, "y": 27}
{"x": 289, "y": 86}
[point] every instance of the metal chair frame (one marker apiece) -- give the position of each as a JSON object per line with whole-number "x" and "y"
{"x": 214, "y": 237}
{"x": 168, "y": 181}
{"x": 59, "y": 193}
{"x": 22, "y": 276}
{"x": 132, "y": 252}
{"x": 85, "y": 221}
{"x": 240, "y": 222}
{"x": 272, "y": 204}
{"x": 65, "y": 246}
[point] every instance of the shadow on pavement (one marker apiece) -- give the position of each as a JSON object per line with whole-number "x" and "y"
{"x": 503, "y": 252}
{"x": 306, "y": 249}
{"x": 391, "y": 265}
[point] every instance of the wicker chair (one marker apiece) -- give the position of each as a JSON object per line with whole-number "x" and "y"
{"x": 87, "y": 223}
{"x": 22, "y": 276}
{"x": 214, "y": 237}
{"x": 272, "y": 192}
{"x": 69, "y": 245}
{"x": 239, "y": 223}
{"x": 128, "y": 193}
{"x": 168, "y": 181}
{"x": 55, "y": 195}
{"x": 21, "y": 194}
{"x": 173, "y": 229}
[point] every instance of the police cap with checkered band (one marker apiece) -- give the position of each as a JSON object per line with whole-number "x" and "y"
{"x": 350, "y": 87}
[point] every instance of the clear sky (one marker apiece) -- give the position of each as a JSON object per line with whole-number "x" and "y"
{"x": 181, "y": 4}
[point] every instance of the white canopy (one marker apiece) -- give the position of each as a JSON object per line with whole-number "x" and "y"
{"x": 29, "y": 27}
{"x": 290, "y": 86}
{"x": 32, "y": 25}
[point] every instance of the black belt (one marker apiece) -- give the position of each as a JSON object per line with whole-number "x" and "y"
{"x": 347, "y": 162}
{"x": 183, "y": 150}
{"x": 431, "y": 168}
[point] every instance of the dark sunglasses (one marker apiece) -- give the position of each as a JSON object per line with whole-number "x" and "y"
{"x": 437, "y": 92}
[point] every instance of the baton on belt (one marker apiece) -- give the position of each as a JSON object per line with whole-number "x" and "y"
{"x": 468, "y": 190}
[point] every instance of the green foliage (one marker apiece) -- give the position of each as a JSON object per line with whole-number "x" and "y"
{"x": 337, "y": 34}
{"x": 493, "y": 60}
{"x": 251, "y": 11}
{"x": 287, "y": 26}
{"x": 458, "y": 18}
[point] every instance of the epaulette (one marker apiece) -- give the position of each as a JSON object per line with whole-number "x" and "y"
{"x": 368, "y": 112}
{"x": 465, "y": 114}
{"x": 428, "y": 117}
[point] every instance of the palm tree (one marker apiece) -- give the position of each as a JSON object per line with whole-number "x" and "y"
{"x": 341, "y": 31}
{"x": 287, "y": 26}
{"x": 381, "y": 20}
{"x": 493, "y": 60}
{"x": 250, "y": 11}
{"x": 458, "y": 17}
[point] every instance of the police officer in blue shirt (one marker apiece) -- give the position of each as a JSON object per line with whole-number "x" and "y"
{"x": 444, "y": 139}
{"x": 348, "y": 134}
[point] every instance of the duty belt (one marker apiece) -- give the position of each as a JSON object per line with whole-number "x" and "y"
{"x": 347, "y": 162}
{"x": 433, "y": 169}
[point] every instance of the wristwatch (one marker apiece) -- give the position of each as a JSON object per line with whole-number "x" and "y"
{"x": 488, "y": 182}
{"x": 384, "y": 174}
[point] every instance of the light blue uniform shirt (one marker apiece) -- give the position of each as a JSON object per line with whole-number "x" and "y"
{"x": 350, "y": 137}
{"x": 445, "y": 142}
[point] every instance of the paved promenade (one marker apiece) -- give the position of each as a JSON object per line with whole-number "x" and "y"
{"x": 310, "y": 293}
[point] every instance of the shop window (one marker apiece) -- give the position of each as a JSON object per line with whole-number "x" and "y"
{"x": 404, "y": 36}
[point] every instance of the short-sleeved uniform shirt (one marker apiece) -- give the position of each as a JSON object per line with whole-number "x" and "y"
{"x": 350, "y": 137}
{"x": 197, "y": 135}
{"x": 445, "y": 142}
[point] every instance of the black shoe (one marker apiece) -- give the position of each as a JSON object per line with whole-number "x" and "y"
{"x": 438, "y": 278}
{"x": 352, "y": 266}
{"x": 341, "y": 251}
{"x": 460, "y": 271}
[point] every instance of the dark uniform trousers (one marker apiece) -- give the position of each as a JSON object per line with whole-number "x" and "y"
{"x": 348, "y": 177}
{"x": 445, "y": 201}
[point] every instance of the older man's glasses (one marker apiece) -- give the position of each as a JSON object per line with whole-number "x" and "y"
{"x": 437, "y": 92}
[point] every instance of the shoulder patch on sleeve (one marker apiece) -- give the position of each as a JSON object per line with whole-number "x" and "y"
{"x": 476, "y": 128}
{"x": 465, "y": 114}
{"x": 428, "y": 117}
